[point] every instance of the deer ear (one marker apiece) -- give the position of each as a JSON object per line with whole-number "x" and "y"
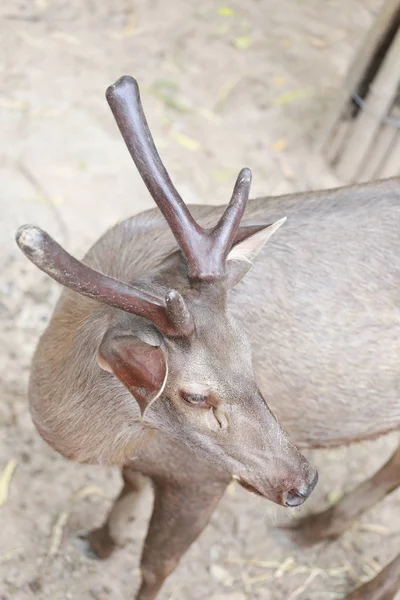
{"x": 241, "y": 257}
{"x": 141, "y": 367}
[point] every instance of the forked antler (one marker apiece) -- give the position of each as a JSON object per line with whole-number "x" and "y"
{"x": 205, "y": 250}
{"x": 170, "y": 315}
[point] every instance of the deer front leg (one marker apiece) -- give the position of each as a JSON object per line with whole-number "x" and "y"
{"x": 334, "y": 521}
{"x": 105, "y": 539}
{"x": 179, "y": 516}
{"x": 383, "y": 587}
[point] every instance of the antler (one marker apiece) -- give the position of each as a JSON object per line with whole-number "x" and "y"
{"x": 205, "y": 250}
{"x": 171, "y": 315}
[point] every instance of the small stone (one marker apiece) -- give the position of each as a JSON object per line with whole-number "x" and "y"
{"x": 215, "y": 553}
{"x": 221, "y": 575}
{"x": 35, "y": 585}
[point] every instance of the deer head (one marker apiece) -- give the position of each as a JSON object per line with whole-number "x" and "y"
{"x": 183, "y": 357}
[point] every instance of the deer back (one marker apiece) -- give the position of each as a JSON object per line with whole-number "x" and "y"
{"x": 322, "y": 309}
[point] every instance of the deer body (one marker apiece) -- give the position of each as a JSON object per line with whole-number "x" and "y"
{"x": 321, "y": 305}
{"x": 324, "y": 319}
{"x": 166, "y": 389}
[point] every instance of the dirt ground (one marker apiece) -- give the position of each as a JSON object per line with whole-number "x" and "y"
{"x": 225, "y": 84}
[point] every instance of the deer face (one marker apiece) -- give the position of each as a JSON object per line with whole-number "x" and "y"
{"x": 212, "y": 394}
{"x": 190, "y": 367}
{"x": 201, "y": 391}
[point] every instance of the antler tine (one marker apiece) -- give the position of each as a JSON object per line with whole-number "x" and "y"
{"x": 124, "y": 100}
{"x": 205, "y": 250}
{"x": 178, "y": 313}
{"x": 227, "y": 227}
{"x": 51, "y": 258}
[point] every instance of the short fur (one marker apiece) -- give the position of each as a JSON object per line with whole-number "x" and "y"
{"x": 321, "y": 306}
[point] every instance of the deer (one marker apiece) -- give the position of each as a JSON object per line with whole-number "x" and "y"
{"x": 194, "y": 347}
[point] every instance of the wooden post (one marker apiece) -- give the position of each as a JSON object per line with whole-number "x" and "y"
{"x": 362, "y": 142}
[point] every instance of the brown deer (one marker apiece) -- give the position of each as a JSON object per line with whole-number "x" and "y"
{"x": 146, "y": 366}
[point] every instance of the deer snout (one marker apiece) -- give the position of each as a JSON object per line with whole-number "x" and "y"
{"x": 296, "y": 496}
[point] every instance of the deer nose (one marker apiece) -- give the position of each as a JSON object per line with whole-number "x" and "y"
{"x": 296, "y": 496}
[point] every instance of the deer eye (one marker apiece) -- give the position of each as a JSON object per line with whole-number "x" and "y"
{"x": 195, "y": 399}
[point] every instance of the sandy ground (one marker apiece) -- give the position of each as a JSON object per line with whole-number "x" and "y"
{"x": 224, "y": 85}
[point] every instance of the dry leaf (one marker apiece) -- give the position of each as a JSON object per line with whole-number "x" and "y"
{"x": 242, "y": 43}
{"x": 9, "y": 555}
{"x": 185, "y": 141}
{"x": 5, "y": 480}
{"x": 88, "y": 490}
{"x": 278, "y": 79}
{"x": 280, "y": 145}
{"x": 62, "y": 36}
{"x": 258, "y": 579}
{"x": 303, "y": 587}
{"x": 82, "y": 164}
{"x": 372, "y": 563}
{"x": 231, "y": 489}
{"x": 286, "y": 565}
{"x": 13, "y": 104}
{"x": 370, "y": 527}
{"x": 316, "y": 41}
{"x": 225, "y": 11}
{"x": 334, "y": 496}
{"x": 57, "y": 533}
{"x": 291, "y": 96}
{"x": 130, "y": 27}
{"x": 209, "y": 115}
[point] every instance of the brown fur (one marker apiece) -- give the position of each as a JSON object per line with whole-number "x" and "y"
{"x": 321, "y": 307}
